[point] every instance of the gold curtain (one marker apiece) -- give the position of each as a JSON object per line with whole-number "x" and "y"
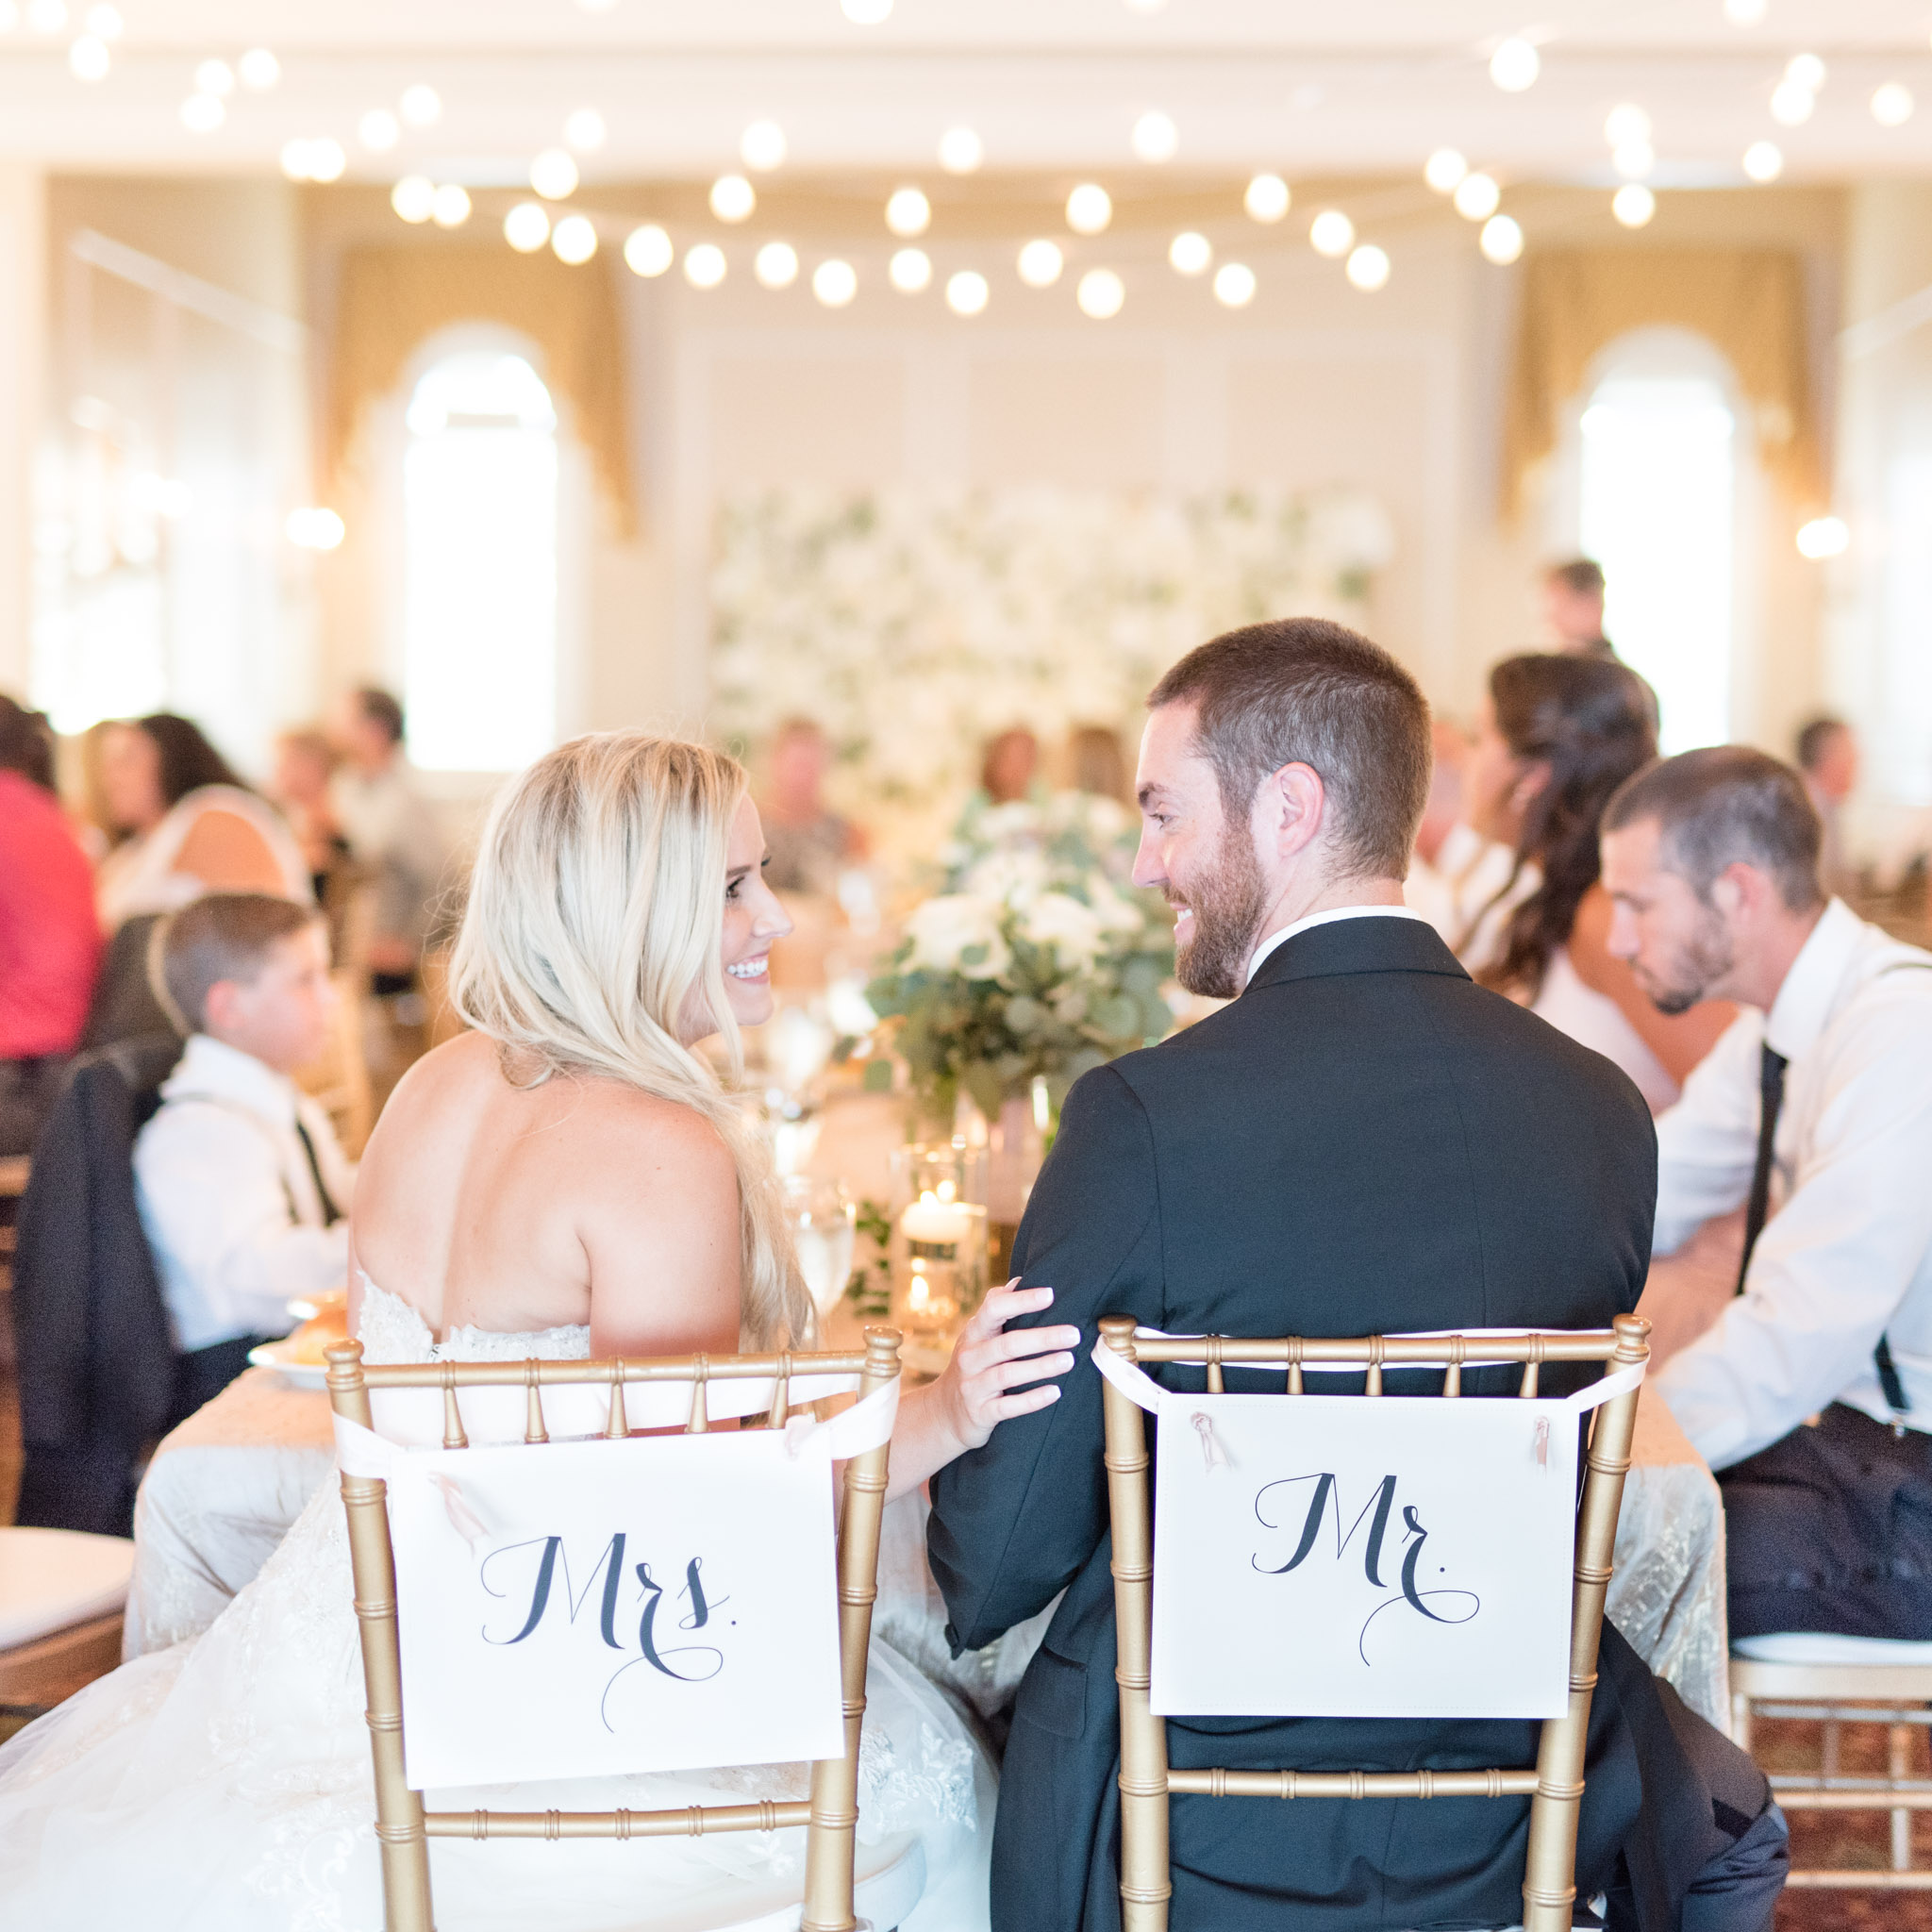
{"x": 1749, "y": 303}
{"x": 393, "y": 300}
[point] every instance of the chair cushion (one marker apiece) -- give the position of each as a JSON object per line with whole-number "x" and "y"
{"x": 1821, "y": 1647}
{"x": 50, "y": 1578}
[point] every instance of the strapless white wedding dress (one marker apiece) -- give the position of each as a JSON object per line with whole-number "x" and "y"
{"x": 225, "y": 1785}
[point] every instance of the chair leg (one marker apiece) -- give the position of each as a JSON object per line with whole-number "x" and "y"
{"x": 1898, "y": 1764}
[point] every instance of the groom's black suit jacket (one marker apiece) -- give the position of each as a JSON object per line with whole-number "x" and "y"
{"x": 1364, "y": 1143}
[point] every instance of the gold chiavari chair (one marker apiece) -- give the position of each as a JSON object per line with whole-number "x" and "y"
{"x": 1553, "y": 1788}
{"x": 403, "y": 1827}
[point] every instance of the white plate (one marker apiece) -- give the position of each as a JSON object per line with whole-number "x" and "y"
{"x": 274, "y": 1355}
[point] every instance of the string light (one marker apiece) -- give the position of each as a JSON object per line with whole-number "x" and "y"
{"x": 1744, "y": 12}
{"x": 1443, "y": 170}
{"x": 648, "y": 251}
{"x": 105, "y": 24}
{"x": 260, "y": 70}
{"x": 1234, "y": 285}
{"x": 1501, "y": 240}
{"x": 314, "y": 528}
{"x": 1040, "y": 263}
{"x": 526, "y": 226}
{"x": 46, "y": 16}
{"x": 1633, "y": 205}
{"x": 379, "y": 130}
{"x": 961, "y": 151}
{"x": 1764, "y": 160}
{"x": 574, "y": 240}
{"x": 835, "y": 282}
{"x": 733, "y": 198}
{"x": 866, "y": 12}
{"x": 776, "y": 265}
{"x": 214, "y": 78}
{"x": 1824, "y": 536}
{"x": 1515, "y": 65}
{"x": 1893, "y": 105}
{"x": 202, "y": 113}
{"x": 1625, "y": 123}
{"x": 1267, "y": 198}
{"x": 703, "y": 265}
{"x": 88, "y": 58}
{"x": 1478, "y": 197}
{"x": 911, "y": 271}
{"x": 554, "y": 174}
{"x": 422, "y": 106}
{"x": 1189, "y": 253}
{"x": 908, "y": 213}
{"x": 451, "y": 206}
{"x": 1367, "y": 268}
{"x": 1101, "y": 294}
{"x": 326, "y": 160}
{"x": 413, "y": 197}
{"x": 1634, "y": 159}
{"x": 1089, "y": 208}
{"x": 585, "y": 131}
{"x": 1331, "y": 233}
{"x": 1791, "y": 105}
{"x": 1155, "y": 137}
{"x": 761, "y": 146}
{"x": 967, "y": 292}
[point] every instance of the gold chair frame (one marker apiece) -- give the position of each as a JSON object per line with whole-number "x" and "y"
{"x": 1899, "y": 1696}
{"x": 403, "y": 1827}
{"x": 1555, "y": 1788}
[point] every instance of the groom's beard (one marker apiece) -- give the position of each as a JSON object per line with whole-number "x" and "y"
{"x": 1228, "y": 901}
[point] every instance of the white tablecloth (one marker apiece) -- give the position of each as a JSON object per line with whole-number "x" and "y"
{"x": 224, "y": 1487}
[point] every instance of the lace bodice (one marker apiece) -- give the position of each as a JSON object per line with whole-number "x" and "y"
{"x": 392, "y": 1331}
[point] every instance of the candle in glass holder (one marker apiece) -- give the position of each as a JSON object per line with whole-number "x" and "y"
{"x": 943, "y": 1274}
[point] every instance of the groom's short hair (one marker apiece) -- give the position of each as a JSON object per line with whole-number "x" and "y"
{"x": 1303, "y": 691}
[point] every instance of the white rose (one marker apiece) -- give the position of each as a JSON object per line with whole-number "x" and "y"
{"x": 1060, "y": 921}
{"x": 944, "y": 929}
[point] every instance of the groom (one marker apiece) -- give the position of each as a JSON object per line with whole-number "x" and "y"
{"x": 1363, "y": 1143}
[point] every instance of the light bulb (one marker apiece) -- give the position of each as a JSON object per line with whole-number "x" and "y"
{"x": 1155, "y": 137}
{"x": 908, "y": 213}
{"x": 1805, "y": 70}
{"x": 314, "y": 528}
{"x": 1331, "y": 233}
{"x": 1633, "y": 204}
{"x": 105, "y": 24}
{"x": 1089, "y": 208}
{"x": 1189, "y": 253}
{"x": 295, "y": 159}
{"x": 776, "y": 265}
{"x": 967, "y": 292}
{"x": 202, "y": 113}
{"x": 422, "y": 106}
{"x": 1267, "y": 198}
{"x": 585, "y": 131}
{"x": 835, "y": 282}
{"x": 1040, "y": 263}
{"x": 733, "y": 198}
{"x": 574, "y": 240}
{"x": 866, "y": 12}
{"x": 450, "y": 207}
{"x": 1763, "y": 161}
{"x": 379, "y": 130}
{"x": 1744, "y": 12}
{"x": 326, "y": 160}
{"x": 1443, "y": 170}
{"x": 214, "y": 78}
{"x": 260, "y": 70}
{"x": 1501, "y": 240}
{"x": 1824, "y": 536}
{"x": 88, "y": 58}
{"x": 1892, "y": 105}
{"x": 648, "y": 251}
{"x": 554, "y": 174}
{"x": 526, "y": 226}
{"x": 1367, "y": 268}
{"x": 961, "y": 151}
{"x": 1634, "y": 159}
{"x": 413, "y": 197}
{"x": 761, "y": 146}
{"x": 1792, "y": 105}
{"x": 1478, "y": 197}
{"x": 911, "y": 271}
{"x": 46, "y": 16}
{"x": 1100, "y": 293}
{"x": 1514, "y": 66}
{"x": 704, "y": 266}
{"x": 1626, "y": 123}
{"x": 1234, "y": 285}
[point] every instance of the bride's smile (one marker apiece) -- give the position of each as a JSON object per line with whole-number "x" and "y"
{"x": 754, "y": 919}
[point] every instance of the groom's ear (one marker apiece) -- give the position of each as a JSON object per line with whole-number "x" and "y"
{"x": 1289, "y": 809}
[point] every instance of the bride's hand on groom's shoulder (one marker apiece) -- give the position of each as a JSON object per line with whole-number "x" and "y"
{"x": 996, "y": 1372}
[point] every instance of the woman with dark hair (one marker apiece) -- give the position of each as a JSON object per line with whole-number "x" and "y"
{"x": 183, "y": 825}
{"x": 49, "y": 943}
{"x": 1558, "y": 736}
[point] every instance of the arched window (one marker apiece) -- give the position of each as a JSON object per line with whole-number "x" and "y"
{"x": 1658, "y": 508}
{"x": 479, "y": 564}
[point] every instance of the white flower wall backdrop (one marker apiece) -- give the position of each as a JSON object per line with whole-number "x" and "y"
{"x": 913, "y": 625}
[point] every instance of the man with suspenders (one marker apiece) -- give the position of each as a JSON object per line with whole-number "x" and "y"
{"x": 1811, "y": 1392}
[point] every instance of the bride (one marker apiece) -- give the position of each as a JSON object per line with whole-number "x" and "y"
{"x": 569, "y": 1179}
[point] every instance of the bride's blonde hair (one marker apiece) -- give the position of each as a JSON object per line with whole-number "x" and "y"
{"x": 594, "y": 924}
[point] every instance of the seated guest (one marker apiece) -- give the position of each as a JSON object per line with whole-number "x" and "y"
{"x": 50, "y": 944}
{"x": 305, "y": 763}
{"x": 809, "y": 843}
{"x": 242, "y": 1188}
{"x": 183, "y": 825}
{"x": 1462, "y": 881}
{"x": 1573, "y": 606}
{"x": 1361, "y": 1141}
{"x": 1828, "y": 762}
{"x": 1558, "y": 734}
{"x": 1010, "y": 770}
{"x": 1810, "y": 1393}
{"x": 1096, "y": 763}
{"x": 392, "y": 829}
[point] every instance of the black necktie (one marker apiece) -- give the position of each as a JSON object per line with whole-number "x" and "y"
{"x": 331, "y": 1212}
{"x": 1771, "y": 1087}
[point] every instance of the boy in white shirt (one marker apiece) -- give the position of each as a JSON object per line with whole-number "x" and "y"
{"x": 242, "y": 1188}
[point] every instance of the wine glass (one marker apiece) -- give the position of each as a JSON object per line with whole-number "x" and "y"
{"x": 822, "y": 1222}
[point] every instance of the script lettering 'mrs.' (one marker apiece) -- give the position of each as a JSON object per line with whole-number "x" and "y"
{"x": 1288, "y": 1505}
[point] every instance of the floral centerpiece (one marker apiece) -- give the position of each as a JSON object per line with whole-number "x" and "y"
{"x": 1039, "y": 959}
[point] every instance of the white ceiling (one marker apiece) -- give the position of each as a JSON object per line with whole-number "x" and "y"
{"x": 1052, "y": 85}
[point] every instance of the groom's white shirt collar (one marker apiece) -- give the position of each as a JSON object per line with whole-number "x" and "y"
{"x": 1333, "y": 912}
